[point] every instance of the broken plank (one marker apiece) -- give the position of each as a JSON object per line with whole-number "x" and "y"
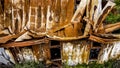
{"x": 89, "y": 15}
{"x": 102, "y": 15}
{"x": 25, "y": 43}
{"x": 102, "y": 40}
{"x": 80, "y": 11}
{"x": 9, "y": 37}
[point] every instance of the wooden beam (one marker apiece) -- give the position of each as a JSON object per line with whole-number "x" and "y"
{"x": 112, "y": 27}
{"x": 102, "y": 40}
{"x": 65, "y": 38}
{"x": 9, "y": 37}
{"x": 25, "y": 43}
{"x": 109, "y": 28}
{"x": 89, "y": 14}
{"x": 110, "y": 36}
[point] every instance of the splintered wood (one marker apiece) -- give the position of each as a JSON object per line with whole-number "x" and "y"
{"x": 35, "y": 22}
{"x": 55, "y": 19}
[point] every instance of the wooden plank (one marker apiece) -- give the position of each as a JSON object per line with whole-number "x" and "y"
{"x": 59, "y": 16}
{"x": 77, "y": 17}
{"x": 90, "y": 5}
{"x": 101, "y": 29}
{"x": 109, "y": 28}
{"x": 110, "y": 36}
{"x": 80, "y": 11}
{"x": 112, "y": 27}
{"x": 7, "y": 14}
{"x": 69, "y": 31}
{"x": 36, "y": 51}
{"x": 49, "y": 17}
{"x": 77, "y": 29}
{"x": 9, "y": 37}
{"x": 25, "y": 43}
{"x": 55, "y": 46}
{"x": 41, "y": 24}
{"x": 46, "y": 51}
{"x": 1, "y": 14}
{"x": 61, "y": 33}
{"x": 16, "y": 16}
{"x": 102, "y": 40}
{"x": 102, "y": 15}
{"x": 65, "y": 38}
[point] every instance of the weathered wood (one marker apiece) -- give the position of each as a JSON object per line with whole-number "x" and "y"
{"x": 65, "y": 38}
{"x": 69, "y": 31}
{"x": 7, "y": 14}
{"x": 1, "y": 15}
{"x": 112, "y": 27}
{"x": 46, "y": 52}
{"x": 102, "y": 40}
{"x": 109, "y": 28}
{"x": 110, "y": 36}
{"x": 89, "y": 14}
{"x": 102, "y": 15}
{"x": 80, "y": 11}
{"x": 101, "y": 28}
{"x": 25, "y": 43}
{"x": 42, "y": 15}
{"x": 9, "y": 37}
{"x": 25, "y": 11}
{"x": 16, "y": 25}
{"x": 36, "y": 52}
{"x": 4, "y": 32}
{"x": 24, "y": 36}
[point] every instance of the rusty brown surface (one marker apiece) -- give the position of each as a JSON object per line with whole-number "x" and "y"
{"x": 55, "y": 19}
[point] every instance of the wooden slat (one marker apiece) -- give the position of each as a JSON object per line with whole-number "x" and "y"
{"x": 7, "y": 14}
{"x": 65, "y": 38}
{"x": 36, "y": 51}
{"x": 109, "y": 28}
{"x": 89, "y": 15}
{"x": 25, "y": 43}
{"x": 9, "y": 37}
{"x": 80, "y": 11}
{"x": 112, "y": 27}
{"x": 25, "y": 11}
{"x": 102, "y": 40}
{"x": 110, "y": 36}
{"x": 69, "y": 32}
{"x": 102, "y": 15}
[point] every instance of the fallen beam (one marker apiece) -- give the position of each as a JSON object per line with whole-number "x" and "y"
{"x": 25, "y": 43}
{"x": 102, "y": 40}
{"x": 9, "y": 37}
